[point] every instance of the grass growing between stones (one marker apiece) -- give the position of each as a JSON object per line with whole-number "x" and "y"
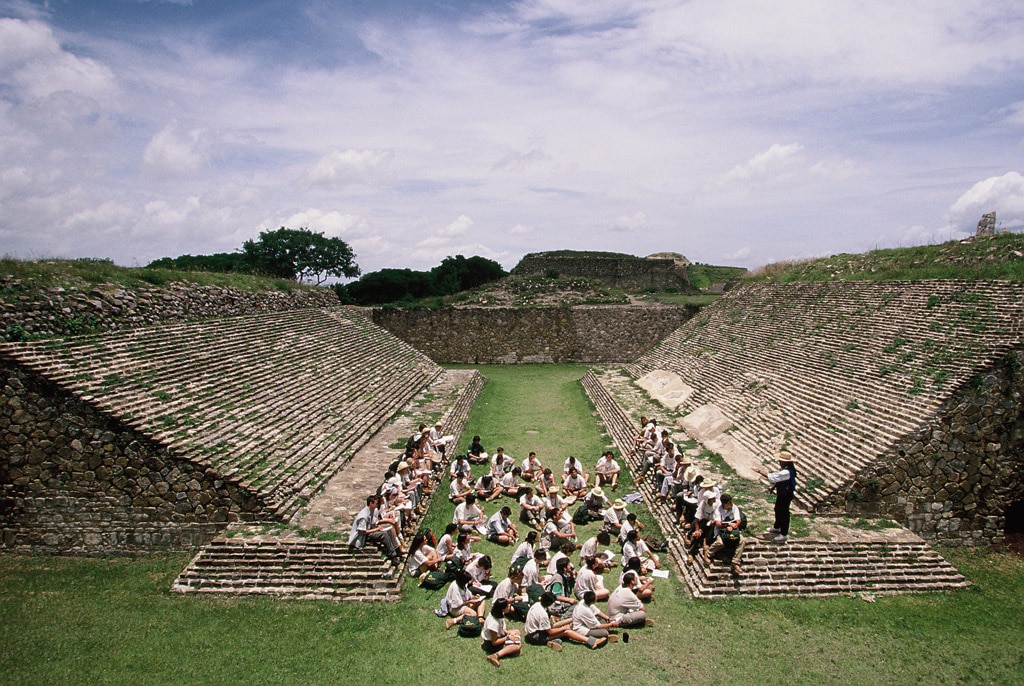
{"x": 67, "y": 620}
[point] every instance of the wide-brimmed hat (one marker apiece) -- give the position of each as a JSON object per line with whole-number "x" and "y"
{"x": 708, "y": 484}
{"x": 598, "y": 491}
{"x": 690, "y": 473}
{"x": 786, "y": 456}
{"x": 619, "y": 504}
{"x": 403, "y": 465}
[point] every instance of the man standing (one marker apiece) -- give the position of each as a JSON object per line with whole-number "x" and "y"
{"x": 784, "y": 482}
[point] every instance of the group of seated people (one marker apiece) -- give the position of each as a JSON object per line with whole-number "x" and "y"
{"x": 711, "y": 521}
{"x": 387, "y": 520}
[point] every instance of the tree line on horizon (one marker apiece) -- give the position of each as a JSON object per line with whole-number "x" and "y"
{"x": 306, "y": 256}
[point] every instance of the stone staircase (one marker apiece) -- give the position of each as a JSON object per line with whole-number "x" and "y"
{"x": 870, "y": 563}
{"x": 321, "y": 570}
{"x": 247, "y": 562}
{"x": 838, "y": 372}
{"x": 274, "y": 402}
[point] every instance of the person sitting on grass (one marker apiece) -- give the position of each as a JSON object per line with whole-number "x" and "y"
{"x": 591, "y": 545}
{"x": 487, "y": 488}
{"x": 470, "y": 517}
{"x": 644, "y": 588}
{"x": 546, "y": 482}
{"x": 459, "y": 488}
{"x": 589, "y": 579}
{"x": 531, "y": 508}
{"x": 607, "y": 470}
{"x": 500, "y": 528}
{"x": 574, "y": 463}
{"x": 595, "y": 502}
{"x": 479, "y": 570}
{"x": 460, "y": 467}
{"x": 475, "y": 453}
{"x": 532, "y": 569}
{"x": 564, "y": 551}
{"x": 540, "y": 631}
{"x": 614, "y": 515}
{"x": 498, "y": 641}
{"x": 586, "y": 619}
{"x": 501, "y": 463}
{"x": 422, "y": 558}
{"x": 526, "y": 549}
{"x": 509, "y": 483}
{"x": 574, "y": 484}
{"x": 625, "y": 606}
{"x": 532, "y": 468}
{"x": 554, "y": 504}
{"x": 461, "y": 601}
{"x": 446, "y": 544}
{"x": 637, "y": 547}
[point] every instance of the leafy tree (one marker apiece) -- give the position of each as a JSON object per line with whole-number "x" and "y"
{"x": 300, "y": 254}
{"x": 217, "y": 262}
{"x": 453, "y": 275}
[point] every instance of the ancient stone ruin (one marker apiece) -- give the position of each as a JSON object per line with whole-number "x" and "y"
{"x": 987, "y": 225}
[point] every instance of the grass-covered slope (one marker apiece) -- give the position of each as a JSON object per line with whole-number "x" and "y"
{"x": 998, "y": 257}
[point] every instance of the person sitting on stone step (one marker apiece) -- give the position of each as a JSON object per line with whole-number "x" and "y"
{"x": 703, "y": 529}
{"x": 366, "y": 527}
{"x": 728, "y": 521}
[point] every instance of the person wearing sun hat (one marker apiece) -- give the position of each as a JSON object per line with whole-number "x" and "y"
{"x": 784, "y": 483}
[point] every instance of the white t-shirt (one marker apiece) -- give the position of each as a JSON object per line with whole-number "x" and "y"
{"x": 456, "y": 597}
{"x": 493, "y": 628}
{"x": 537, "y": 619}
{"x": 621, "y": 601}
{"x": 584, "y": 618}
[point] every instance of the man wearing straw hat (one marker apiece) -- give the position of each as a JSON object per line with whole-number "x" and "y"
{"x": 784, "y": 483}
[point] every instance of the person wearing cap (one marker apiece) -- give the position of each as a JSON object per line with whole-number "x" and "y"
{"x": 607, "y": 471}
{"x": 595, "y": 502}
{"x": 685, "y": 497}
{"x": 784, "y": 483}
{"x": 707, "y": 503}
{"x": 614, "y": 516}
{"x": 727, "y": 520}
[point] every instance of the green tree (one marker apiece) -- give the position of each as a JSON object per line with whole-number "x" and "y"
{"x": 300, "y": 254}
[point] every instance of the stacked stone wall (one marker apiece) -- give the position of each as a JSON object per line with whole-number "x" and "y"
{"x": 76, "y": 480}
{"x": 953, "y": 481}
{"x": 33, "y": 312}
{"x": 632, "y": 273}
{"x": 527, "y": 335}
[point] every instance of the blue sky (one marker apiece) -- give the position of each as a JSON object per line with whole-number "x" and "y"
{"x": 733, "y": 132}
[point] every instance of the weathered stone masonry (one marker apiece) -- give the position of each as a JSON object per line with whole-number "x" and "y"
{"x": 630, "y": 273}
{"x": 76, "y": 479}
{"x": 953, "y": 481}
{"x": 508, "y": 335}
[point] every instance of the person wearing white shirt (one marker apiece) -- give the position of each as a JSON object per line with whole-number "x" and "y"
{"x": 500, "y": 528}
{"x": 469, "y": 517}
{"x": 532, "y": 468}
{"x": 727, "y": 521}
{"x": 589, "y": 579}
{"x": 607, "y": 470}
{"x": 498, "y": 641}
{"x": 625, "y": 606}
{"x": 531, "y": 508}
{"x": 586, "y": 618}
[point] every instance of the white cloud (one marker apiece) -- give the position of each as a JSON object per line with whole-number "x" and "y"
{"x": 630, "y": 222}
{"x": 1003, "y": 195}
{"x": 33, "y": 61}
{"x": 174, "y": 151}
{"x": 520, "y": 230}
{"x": 343, "y": 167}
{"x": 765, "y": 166}
{"x": 459, "y": 227}
{"x": 738, "y": 255}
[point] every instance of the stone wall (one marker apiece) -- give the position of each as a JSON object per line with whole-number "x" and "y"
{"x": 953, "y": 481}
{"x": 75, "y": 480}
{"x": 631, "y": 273}
{"x": 551, "y": 334}
{"x": 31, "y": 312}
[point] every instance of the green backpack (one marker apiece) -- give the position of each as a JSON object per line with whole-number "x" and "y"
{"x": 470, "y": 626}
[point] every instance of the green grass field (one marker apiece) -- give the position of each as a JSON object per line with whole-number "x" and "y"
{"x": 97, "y": 621}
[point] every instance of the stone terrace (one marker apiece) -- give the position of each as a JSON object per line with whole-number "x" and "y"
{"x": 831, "y": 561}
{"x": 275, "y": 402}
{"x": 838, "y": 372}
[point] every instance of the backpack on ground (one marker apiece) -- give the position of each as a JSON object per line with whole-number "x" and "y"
{"x": 470, "y": 626}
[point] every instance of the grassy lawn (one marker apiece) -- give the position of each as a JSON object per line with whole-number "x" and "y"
{"x": 67, "y": 620}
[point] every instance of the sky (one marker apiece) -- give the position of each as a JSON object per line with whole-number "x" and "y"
{"x": 734, "y": 132}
